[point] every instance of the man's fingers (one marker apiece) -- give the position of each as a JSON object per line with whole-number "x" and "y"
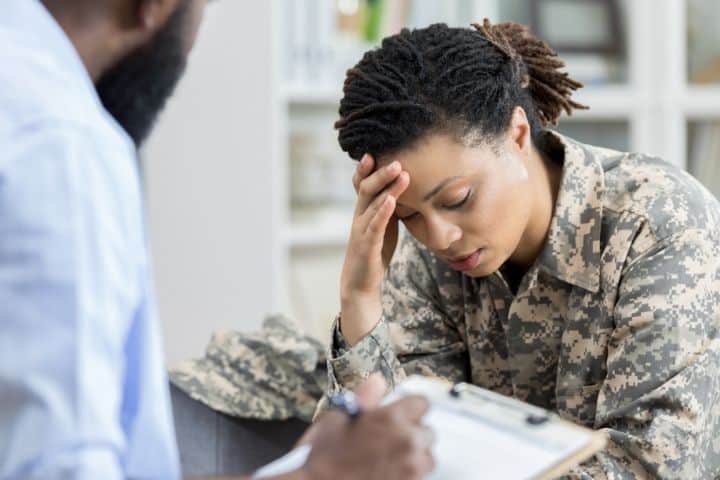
{"x": 425, "y": 438}
{"x": 309, "y": 436}
{"x": 327, "y": 421}
{"x": 424, "y": 463}
{"x": 421, "y": 457}
{"x": 412, "y": 408}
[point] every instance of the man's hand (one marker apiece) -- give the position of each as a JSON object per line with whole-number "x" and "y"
{"x": 384, "y": 442}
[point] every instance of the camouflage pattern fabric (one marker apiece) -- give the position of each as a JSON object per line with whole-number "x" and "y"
{"x": 614, "y": 327}
{"x": 273, "y": 374}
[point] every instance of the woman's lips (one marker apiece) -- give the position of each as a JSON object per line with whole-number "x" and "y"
{"x": 467, "y": 263}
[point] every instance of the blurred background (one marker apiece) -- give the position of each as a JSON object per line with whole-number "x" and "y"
{"x": 249, "y": 195}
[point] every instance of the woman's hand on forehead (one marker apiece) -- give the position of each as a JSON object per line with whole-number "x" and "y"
{"x": 372, "y": 242}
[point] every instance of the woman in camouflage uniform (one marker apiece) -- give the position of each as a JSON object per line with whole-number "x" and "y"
{"x": 577, "y": 278}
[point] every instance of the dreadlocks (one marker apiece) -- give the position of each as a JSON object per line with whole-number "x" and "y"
{"x": 464, "y": 82}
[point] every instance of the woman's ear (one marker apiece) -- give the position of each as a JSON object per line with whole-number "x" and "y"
{"x": 519, "y": 131}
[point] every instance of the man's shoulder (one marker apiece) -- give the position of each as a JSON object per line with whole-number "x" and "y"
{"x": 36, "y": 92}
{"x": 45, "y": 108}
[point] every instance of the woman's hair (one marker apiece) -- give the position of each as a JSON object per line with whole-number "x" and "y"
{"x": 457, "y": 81}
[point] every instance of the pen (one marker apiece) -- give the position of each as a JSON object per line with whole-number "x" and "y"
{"x": 346, "y": 402}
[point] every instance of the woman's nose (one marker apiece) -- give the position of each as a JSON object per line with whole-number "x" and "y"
{"x": 442, "y": 234}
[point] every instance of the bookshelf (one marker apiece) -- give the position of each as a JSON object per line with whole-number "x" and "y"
{"x": 648, "y": 101}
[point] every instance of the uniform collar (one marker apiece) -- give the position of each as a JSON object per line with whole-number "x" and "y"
{"x": 572, "y": 250}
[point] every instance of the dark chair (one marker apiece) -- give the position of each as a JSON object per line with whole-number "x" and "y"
{"x": 213, "y": 443}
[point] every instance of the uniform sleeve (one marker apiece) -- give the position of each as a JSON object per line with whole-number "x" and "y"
{"x": 65, "y": 297}
{"x": 417, "y": 334}
{"x": 658, "y": 404}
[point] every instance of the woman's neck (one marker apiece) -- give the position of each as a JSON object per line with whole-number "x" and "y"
{"x": 547, "y": 175}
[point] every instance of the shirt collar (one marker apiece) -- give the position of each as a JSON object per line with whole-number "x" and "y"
{"x": 572, "y": 250}
{"x": 34, "y": 25}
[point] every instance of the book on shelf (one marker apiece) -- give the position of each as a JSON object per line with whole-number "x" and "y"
{"x": 703, "y": 39}
{"x": 323, "y": 38}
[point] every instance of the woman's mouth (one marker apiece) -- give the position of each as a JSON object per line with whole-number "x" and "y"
{"x": 467, "y": 262}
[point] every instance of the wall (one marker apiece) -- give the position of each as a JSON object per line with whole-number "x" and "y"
{"x": 208, "y": 174}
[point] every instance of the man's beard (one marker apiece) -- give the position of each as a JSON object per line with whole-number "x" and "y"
{"x": 136, "y": 89}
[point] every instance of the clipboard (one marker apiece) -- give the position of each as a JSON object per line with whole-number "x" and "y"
{"x": 482, "y": 434}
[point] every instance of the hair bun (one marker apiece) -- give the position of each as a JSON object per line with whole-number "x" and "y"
{"x": 538, "y": 69}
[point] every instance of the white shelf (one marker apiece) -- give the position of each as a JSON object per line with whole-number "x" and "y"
{"x": 312, "y": 94}
{"x": 314, "y": 237}
{"x": 702, "y": 101}
{"x": 607, "y": 102}
{"x": 325, "y": 229}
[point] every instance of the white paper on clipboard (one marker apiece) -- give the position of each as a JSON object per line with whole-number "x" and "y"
{"x": 481, "y": 434}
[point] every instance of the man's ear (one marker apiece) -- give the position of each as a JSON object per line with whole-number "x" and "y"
{"x": 149, "y": 16}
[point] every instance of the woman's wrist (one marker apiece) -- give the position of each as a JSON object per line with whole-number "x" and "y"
{"x": 358, "y": 317}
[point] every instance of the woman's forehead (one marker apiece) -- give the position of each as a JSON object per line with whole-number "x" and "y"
{"x": 439, "y": 157}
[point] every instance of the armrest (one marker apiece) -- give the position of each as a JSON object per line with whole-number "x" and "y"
{"x": 212, "y": 443}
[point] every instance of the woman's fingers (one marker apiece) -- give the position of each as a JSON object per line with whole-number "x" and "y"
{"x": 373, "y": 184}
{"x": 364, "y": 168}
{"x": 362, "y": 221}
{"x": 399, "y": 185}
{"x": 394, "y": 190}
{"x": 378, "y": 223}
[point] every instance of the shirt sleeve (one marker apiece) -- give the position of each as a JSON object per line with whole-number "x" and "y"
{"x": 658, "y": 404}
{"x": 68, "y": 279}
{"x": 415, "y": 334}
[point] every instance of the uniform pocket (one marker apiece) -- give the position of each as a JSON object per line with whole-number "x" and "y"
{"x": 578, "y": 404}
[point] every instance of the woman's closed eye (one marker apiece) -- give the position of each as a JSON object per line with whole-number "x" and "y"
{"x": 457, "y": 205}
{"x": 453, "y": 206}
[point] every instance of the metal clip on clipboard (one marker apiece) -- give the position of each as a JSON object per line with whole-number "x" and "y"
{"x": 469, "y": 393}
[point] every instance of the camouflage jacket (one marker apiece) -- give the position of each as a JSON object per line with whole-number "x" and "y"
{"x": 615, "y": 326}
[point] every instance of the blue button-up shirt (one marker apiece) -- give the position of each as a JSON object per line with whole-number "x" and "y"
{"x": 83, "y": 390}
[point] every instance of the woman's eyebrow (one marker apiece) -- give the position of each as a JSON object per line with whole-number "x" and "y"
{"x": 439, "y": 187}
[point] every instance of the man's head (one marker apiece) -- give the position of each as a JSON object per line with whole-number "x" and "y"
{"x": 135, "y": 50}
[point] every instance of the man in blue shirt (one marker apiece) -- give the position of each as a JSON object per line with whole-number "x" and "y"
{"x": 83, "y": 390}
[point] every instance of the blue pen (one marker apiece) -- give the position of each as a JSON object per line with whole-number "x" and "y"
{"x": 347, "y": 402}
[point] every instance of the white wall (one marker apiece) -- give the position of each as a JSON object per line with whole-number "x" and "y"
{"x": 208, "y": 174}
